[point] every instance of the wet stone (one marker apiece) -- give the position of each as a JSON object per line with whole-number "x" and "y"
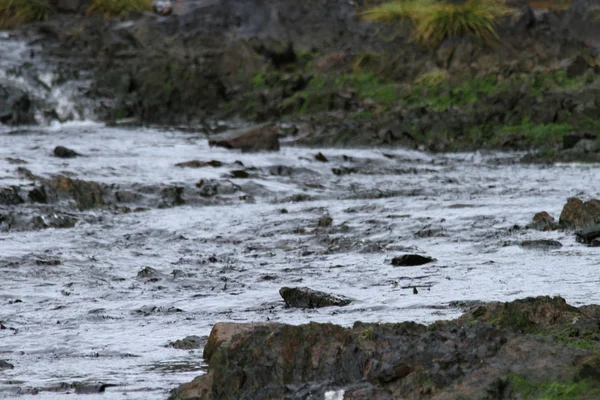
{"x": 320, "y": 157}
{"x": 64, "y": 152}
{"x": 543, "y": 221}
{"x": 147, "y": 272}
{"x": 325, "y": 221}
{"x": 15, "y": 161}
{"x": 579, "y": 214}
{"x": 188, "y": 343}
{"x": 303, "y": 297}
{"x": 238, "y": 173}
{"x": 199, "y": 164}
{"x": 263, "y": 138}
{"x": 6, "y": 365}
{"x": 9, "y": 196}
{"x": 411, "y": 260}
{"x": 541, "y": 244}
{"x": 589, "y": 235}
{"x": 37, "y": 195}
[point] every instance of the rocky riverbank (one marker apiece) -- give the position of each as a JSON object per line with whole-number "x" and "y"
{"x": 527, "y": 349}
{"x": 336, "y": 80}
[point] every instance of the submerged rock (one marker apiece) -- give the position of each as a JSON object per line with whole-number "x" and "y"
{"x": 263, "y": 138}
{"x": 493, "y": 349}
{"x": 303, "y": 297}
{"x": 325, "y": 221}
{"x": 64, "y": 152}
{"x": 589, "y": 235}
{"x": 411, "y": 260}
{"x": 187, "y": 343}
{"x": 541, "y": 244}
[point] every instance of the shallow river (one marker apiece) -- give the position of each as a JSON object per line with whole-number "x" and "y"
{"x": 84, "y": 314}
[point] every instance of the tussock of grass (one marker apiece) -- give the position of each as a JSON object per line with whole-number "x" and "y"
{"x": 432, "y": 78}
{"x": 18, "y": 12}
{"x": 117, "y": 8}
{"x": 434, "y": 21}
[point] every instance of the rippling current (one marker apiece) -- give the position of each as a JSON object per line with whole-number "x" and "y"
{"x": 88, "y": 317}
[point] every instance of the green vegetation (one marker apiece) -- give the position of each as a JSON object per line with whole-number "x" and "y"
{"x": 118, "y": 8}
{"x": 529, "y": 390}
{"x": 538, "y": 134}
{"x": 18, "y": 12}
{"x": 434, "y": 21}
{"x": 432, "y": 79}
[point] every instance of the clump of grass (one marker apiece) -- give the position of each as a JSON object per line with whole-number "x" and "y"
{"x": 118, "y": 8}
{"x": 432, "y": 78}
{"x": 435, "y": 21}
{"x": 14, "y": 13}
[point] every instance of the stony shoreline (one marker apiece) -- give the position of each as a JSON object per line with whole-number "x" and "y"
{"x": 334, "y": 80}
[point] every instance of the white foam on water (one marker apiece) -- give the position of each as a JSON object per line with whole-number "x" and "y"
{"x": 84, "y": 318}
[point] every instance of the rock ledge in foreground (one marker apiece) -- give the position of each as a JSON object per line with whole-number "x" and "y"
{"x": 496, "y": 351}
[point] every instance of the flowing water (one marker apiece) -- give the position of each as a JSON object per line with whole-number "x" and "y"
{"x": 79, "y": 313}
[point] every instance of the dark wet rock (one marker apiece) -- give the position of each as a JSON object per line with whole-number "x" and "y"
{"x": 240, "y": 174}
{"x": 411, "y": 260}
{"x": 570, "y": 140}
{"x": 487, "y": 353}
{"x": 578, "y": 214}
{"x": 430, "y": 231}
{"x": 303, "y": 297}
{"x": 589, "y": 234}
{"x": 199, "y": 164}
{"x": 541, "y": 244}
{"x": 48, "y": 261}
{"x": 187, "y": 343}
{"x": 578, "y": 66}
{"x": 37, "y": 195}
{"x": 90, "y": 388}
{"x": 15, "y": 106}
{"x": 25, "y": 221}
{"x": 171, "y": 196}
{"x": 325, "y": 221}
{"x": 64, "y": 152}
{"x": 148, "y": 273}
{"x": 344, "y": 171}
{"x": 146, "y": 311}
{"x": 15, "y": 161}
{"x": 543, "y": 221}
{"x": 595, "y": 242}
{"x": 320, "y": 157}
{"x": 212, "y": 187}
{"x": 6, "y": 365}
{"x": 10, "y": 196}
{"x": 582, "y": 21}
{"x": 263, "y": 138}
{"x": 87, "y": 194}
{"x": 24, "y": 172}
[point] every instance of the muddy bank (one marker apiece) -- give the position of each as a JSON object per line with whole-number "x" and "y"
{"x": 530, "y": 348}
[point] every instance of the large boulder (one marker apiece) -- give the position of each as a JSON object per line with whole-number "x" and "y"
{"x": 492, "y": 352}
{"x": 579, "y": 214}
